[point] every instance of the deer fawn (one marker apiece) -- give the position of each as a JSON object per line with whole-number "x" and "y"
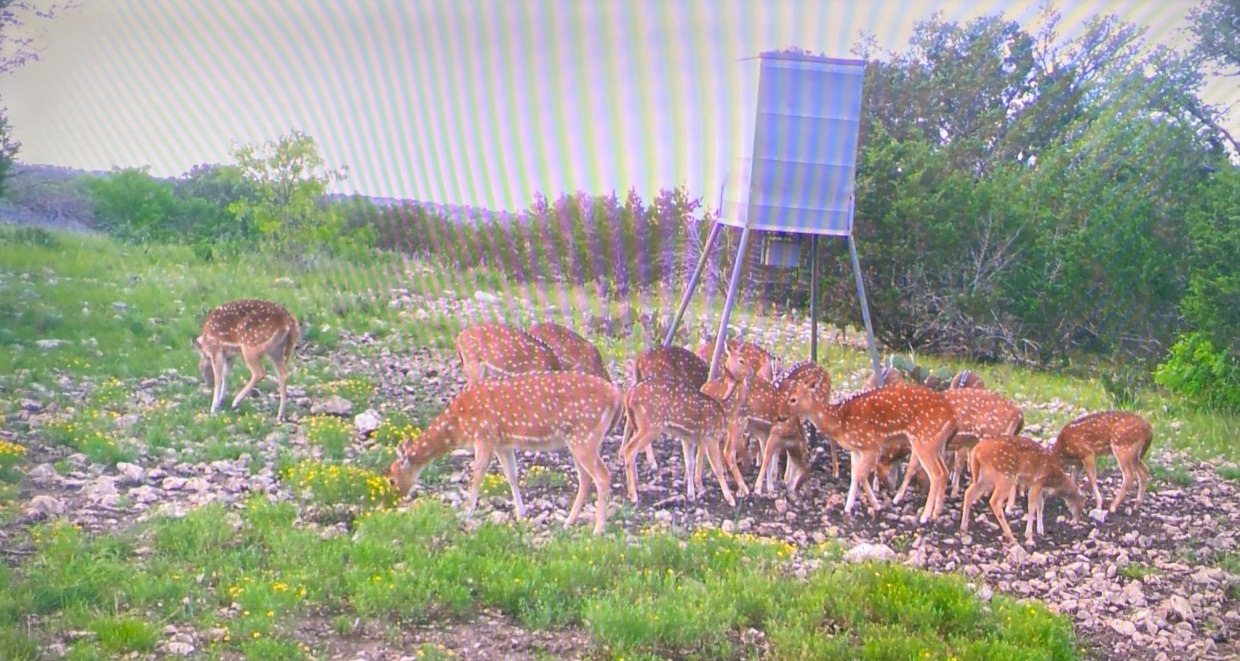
{"x": 865, "y": 422}
{"x": 492, "y": 350}
{"x": 763, "y": 362}
{"x": 573, "y": 352}
{"x": 540, "y": 411}
{"x": 670, "y": 363}
{"x": 1004, "y": 463}
{"x": 810, "y": 373}
{"x": 253, "y": 329}
{"x": 1123, "y": 434}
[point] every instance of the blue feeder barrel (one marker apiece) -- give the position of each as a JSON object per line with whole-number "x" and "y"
{"x": 796, "y": 171}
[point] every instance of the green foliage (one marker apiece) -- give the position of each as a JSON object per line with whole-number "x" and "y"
{"x": 1216, "y": 24}
{"x": 135, "y": 206}
{"x": 1207, "y": 375}
{"x": 332, "y": 484}
{"x": 9, "y": 147}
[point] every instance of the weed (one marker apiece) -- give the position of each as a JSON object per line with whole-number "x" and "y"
{"x": 1176, "y": 475}
{"x": 336, "y": 484}
{"x": 1137, "y": 571}
{"x": 330, "y": 434}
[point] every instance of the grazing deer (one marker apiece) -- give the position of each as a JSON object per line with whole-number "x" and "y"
{"x": 979, "y": 413}
{"x": 670, "y": 363}
{"x": 1120, "y": 433}
{"x": 812, "y": 374}
{"x": 966, "y": 379}
{"x": 493, "y": 350}
{"x": 865, "y": 422}
{"x": 573, "y": 352}
{"x": 1004, "y": 463}
{"x": 253, "y": 329}
{"x": 765, "y": 364}
{"x": 541, "y": 411}
{"x": 675, "y": 408}
{"x": 732, "y": 392}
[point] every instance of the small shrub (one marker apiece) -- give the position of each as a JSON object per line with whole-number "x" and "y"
{"x": 11, "y": 454}
{"x": 125, "y": 634}
{"x": 34, "y": 236}
{"x": 393, "y": 431}
{"x": 329, "y": 433}
{"x": 541, "y": 476}
{"x": 1205, "y": 374}
{"x": 87, "y": 438}
{"x": 337, "y": 484}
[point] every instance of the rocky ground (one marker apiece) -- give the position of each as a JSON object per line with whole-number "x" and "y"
{"x": 1139, "y": 585}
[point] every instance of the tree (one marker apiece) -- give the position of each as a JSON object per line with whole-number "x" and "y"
{"x": 16, "y": 49}
{"x": 1216, "y": 24}
{"x": 135, "y": 206}
{"x": 289, "y": 180}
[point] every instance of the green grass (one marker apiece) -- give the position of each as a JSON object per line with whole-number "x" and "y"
{"x": 257, "y": 572}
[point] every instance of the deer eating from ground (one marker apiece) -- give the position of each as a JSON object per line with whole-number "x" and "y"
{"x": 573, "y": 352}
{"x": 1001, "y": 464}
{"x": 669, "y": 363}
{"x": 1125, "y": 435}
{"x": 254, "y": 329}
{"x": 699, "y": 421}
{"x": 493, "y": 350}
{"x": 542, "y": 411}
{"x": 864, "y": 423}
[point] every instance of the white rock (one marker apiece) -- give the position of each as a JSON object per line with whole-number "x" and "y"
{"x": 1017, "y": 555}
{"x": 367, "y": 421}
{"x": 197, "y": 484}
{"x": 131, "y": 472}
{"x": 177, "y": 648}
{"x": 1123, "y": 627}
{"x": 1178, "y": 605}
{"x": 145, "y": 494}
{"x": 866, "y": 551}
{"x": 42, "y": 473}
{"x": 48, "y": 344}
{"x": 334, "y": 405}
{"x": 1098, "y": 515}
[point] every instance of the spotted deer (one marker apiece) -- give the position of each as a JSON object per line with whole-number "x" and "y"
{"x": 731, "y": 390}
{"x": 966, "y": 379}
{"x": 865, "y": 422}
{"x": 1125, "y": 435}
{"x": 765, "y": 364}
{"x": 539, "y": 411}
{"x": 979, "y": 413}
{"x": 1001, "y": 464}
{"x": 493, "y": 350}
{"x": 890, "y": 376}
{"x": 573, "y": 352}
{"x": 254, "y": 329}
{"x": 811, "y": 373}
{"x": 671, "y": 363}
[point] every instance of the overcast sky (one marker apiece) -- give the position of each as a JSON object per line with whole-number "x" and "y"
{"x": 468, "y": 102}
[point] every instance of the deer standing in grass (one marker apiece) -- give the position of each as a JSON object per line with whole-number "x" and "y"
{"x": 1125, "y": 435}
{"x": 254, "y": 329}
{"x": 864, "y": 423}
{"x": 542, "y": 411}
{"x": 701, "y": 422}
{"x": 1001, "y": 464}
{"x": 573, "y": 352}
{"x": 492, "y": 350}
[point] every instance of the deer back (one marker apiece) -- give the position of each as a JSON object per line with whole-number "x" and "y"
{"x": 502, "y": 349}
{"x": 1097, "y": 433}
{"x": 981, "y": 412}
{"x": 249, "y": 323}
{"x": 671, "y": 363}
{"x": 572, "y": 351}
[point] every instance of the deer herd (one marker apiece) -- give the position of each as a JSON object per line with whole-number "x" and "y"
{"x": 547, "y": 388}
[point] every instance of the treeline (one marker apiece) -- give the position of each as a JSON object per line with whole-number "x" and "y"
{"x": 1018, "y": 197}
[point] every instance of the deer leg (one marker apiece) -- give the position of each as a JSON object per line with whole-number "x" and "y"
{"x": 253, "y": 360}
{"x": 856, "y": 474}
{"x": 769, "y": 448}
{"x": 700, "y": 452}
{"x": 482, "y": 460}
{"x": 1034, "y": 515}
{"x": 689, "y": 450}
{"x": 909, "y": 471}
{"x": 628, "y": 452}
{"x": 219, "y": 372}
{"x": 1129, "y": 472}
{"x": 282, "y": 378}
{"x": 508, "y": 464}
{"x": 976, "y": 490}
{"x": 1091, "y": 473}
{"x": 1143, "y": 472}
{"x": 715, "y": 455}
{"x": 734, "y": 441}
{"x": 996, "y": 506}
{"x": 868, "y": 459}
{"x": 583, "y": 487}
{"x": 651, "y": 461}
{"x": 589, "y": 461}
{"x": 936, "y": 470}
{"x": 960, "y": 461}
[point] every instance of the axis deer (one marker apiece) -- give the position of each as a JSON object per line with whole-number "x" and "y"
{"x": 812, "y": 374}
{"x": 675, "y": 408}
{"x": 573, "y": 352}
{"x": 492, "y": 350}
{"x": 671, "y": 363}
{"x": 254, "y": 329}
{"x": 891, "y": 376}
{"x": 865, "y": 422}
{"x": 541, "y": 411}
{"x": 765, "y": 364}
{"x": 732, "y": 392}
{"x": 979, "y": 413}
{"x": 966, "y": 379}
{"x": 1125, "y": 435}
{"x": 1001, "y": 464}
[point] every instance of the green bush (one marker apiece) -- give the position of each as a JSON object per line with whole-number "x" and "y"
{"x": 1208, "y": 375}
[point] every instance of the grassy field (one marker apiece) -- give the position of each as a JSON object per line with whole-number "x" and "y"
{"x": 249, "y": 578}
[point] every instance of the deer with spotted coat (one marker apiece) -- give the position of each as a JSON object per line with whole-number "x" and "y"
{"x": 539, "y": 411}
{"x": 1125, "y": 435}
{"x": 1002, "y": 464}
{"x": 866, "y": 422}
{"x": 492, "y": 350}
{"x": 253, "y": 329}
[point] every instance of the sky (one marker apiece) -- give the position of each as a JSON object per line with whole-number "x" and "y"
{"x": 455, "y": 101}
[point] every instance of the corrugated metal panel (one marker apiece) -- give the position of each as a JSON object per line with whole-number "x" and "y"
{"x": 798, "y": 168}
